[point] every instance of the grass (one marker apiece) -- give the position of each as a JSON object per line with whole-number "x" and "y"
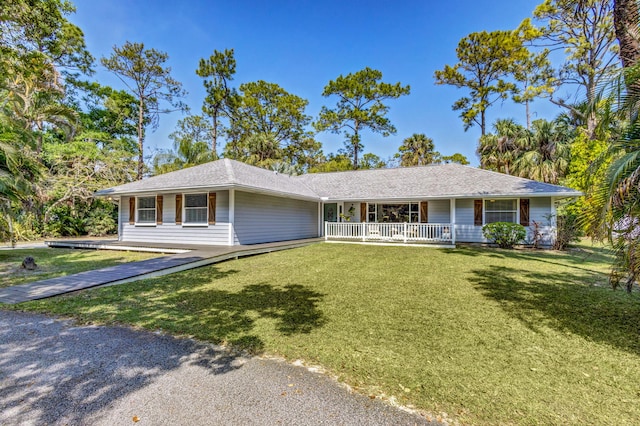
{"x": 482, "y": 336}
{"x": 58, "y": 262}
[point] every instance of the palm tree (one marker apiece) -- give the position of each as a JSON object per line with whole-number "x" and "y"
{"x": 417, "y": 150}
{"x": 545, "y": 156}
{"x": 616, "y": 208}
{"x": 499, "y": 151}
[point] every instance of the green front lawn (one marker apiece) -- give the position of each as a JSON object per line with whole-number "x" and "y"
{"x": 486, "y": 336}
{"x": 55, "y": 262}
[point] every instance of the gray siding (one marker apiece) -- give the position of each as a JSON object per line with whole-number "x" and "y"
{"x": 539, "y": 209}
{"x": 262, "y": 218}
{"x": 217, "y": 234}
{"x": 466, "y": 232}
{"x": 439, "y": 211}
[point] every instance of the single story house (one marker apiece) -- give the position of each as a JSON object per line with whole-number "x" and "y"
{"x": 226, "y": 202}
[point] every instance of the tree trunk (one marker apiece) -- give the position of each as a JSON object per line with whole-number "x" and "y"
{"x": 140, "y": 139}
{"x": 214, "y": 135}
{"x": 625, "y": 19}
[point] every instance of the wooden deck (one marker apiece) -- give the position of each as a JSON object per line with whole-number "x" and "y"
{"x": 184, "y": 257}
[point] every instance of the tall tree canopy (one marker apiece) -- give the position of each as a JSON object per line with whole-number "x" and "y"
{"x": 190, "y": 146}
{"x": 268, "y": 125}
{"x": 584, "y": 30}
{"x": 417, "y": 150}
{"x": 217, "y": 72}
{"x": 145, "y": 76}
{"x": 499, "y": 151}
{"x": 360, "y": 106}
{"x": 485, "y": 60}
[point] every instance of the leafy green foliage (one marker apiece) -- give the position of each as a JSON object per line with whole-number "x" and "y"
{"x": 584, "y": 31}
{"x": 360, "y": 106}
{"x": 568, "y": 229}
{"x": 268, "y": 126}
{"x": 218, "y": 72}
{"x": 147, "y": 78}
{"x": 417, "y": 150}
{"x": 485, "y": 59}
{"x": 102, "y": 219}
{"x": 500, "y": 150}
{"x": 190, "y": 146}
{"x": 455, "y": 158}
{"x": 504, "y": 234}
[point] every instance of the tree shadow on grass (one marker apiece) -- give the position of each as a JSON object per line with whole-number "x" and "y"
{"x": 565, "y": 303}
{"x": 222, "y": 316}
{"x": 192, "y": 304}
{"x": 51, "y": 373}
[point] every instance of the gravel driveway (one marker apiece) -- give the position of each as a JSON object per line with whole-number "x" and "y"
{"x": 54, "y": 372}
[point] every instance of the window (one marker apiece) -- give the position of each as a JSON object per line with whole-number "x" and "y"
{"x": 500, "y": 211}
{"x": 394, "y": 213}
{"x": 146, "y": 210}
{"x": 195, "y": 208}
{"x": 371, "y": 217}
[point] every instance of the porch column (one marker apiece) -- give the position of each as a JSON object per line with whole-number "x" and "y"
{"x": 452, "y": 219}
{"x": 120, "y": 219}
{"x": 320, "y": 219}
{"x": 232, "y": 214}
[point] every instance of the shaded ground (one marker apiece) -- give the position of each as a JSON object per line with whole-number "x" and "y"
{"x": 53, "y": 372}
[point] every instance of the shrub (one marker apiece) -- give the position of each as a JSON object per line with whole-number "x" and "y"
{"x": 504, "y": 234}
{"x": 567, "y": 229}
{"x": 100, "y": 222}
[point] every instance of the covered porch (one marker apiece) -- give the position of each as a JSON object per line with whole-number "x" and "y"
{"x": 390, "y": 232}
{"x": 425, "y": 221}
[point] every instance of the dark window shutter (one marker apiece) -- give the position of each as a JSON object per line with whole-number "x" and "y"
{"x": 363, "y": 212}
{"x": 424, "y": 212}
{"x": 159, "y": 210}
{"x": 178, "y": 209}
{"x": 477, "y": 212}
{"x": 132, "y": 210}
{"x": 212, "y": 208}
{"x": 524, "y": 211}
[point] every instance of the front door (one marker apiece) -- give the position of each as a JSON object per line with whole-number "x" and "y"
{"x": 331, "y": 212}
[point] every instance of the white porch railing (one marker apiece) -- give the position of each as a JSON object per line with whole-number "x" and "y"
{"x": 398, "y": 232}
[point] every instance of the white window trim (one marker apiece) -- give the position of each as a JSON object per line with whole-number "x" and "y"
{"x": 484, "y": 208}
{"x": 155, "y": 211}
{"x": 186, "y": 224}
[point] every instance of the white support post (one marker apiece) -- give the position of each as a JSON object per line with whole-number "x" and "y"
{"x": 120, "y": 228}
{"x": 452, "y": 219}
{"x": 232, "y": 213}
{"x": 320, "y": 219}
{"x": 404, "y": 232}
{"x": 326, "y": 234}
{"x": 364, "y": 230}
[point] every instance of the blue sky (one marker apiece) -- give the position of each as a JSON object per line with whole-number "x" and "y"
{"x": 301, "y": 45}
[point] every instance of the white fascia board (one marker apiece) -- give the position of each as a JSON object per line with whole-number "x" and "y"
{"x": 456, "y": 196}
{"x": 196, "y": 188}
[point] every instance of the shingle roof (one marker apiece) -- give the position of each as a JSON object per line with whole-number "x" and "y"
{"x": 434, "y": 181}
{"x": 217, "y": 174}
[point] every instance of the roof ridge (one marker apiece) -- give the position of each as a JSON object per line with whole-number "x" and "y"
{"x": 229, "y": 167}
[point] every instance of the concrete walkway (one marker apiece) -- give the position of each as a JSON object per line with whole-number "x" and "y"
{"x": 188, "y": 257}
